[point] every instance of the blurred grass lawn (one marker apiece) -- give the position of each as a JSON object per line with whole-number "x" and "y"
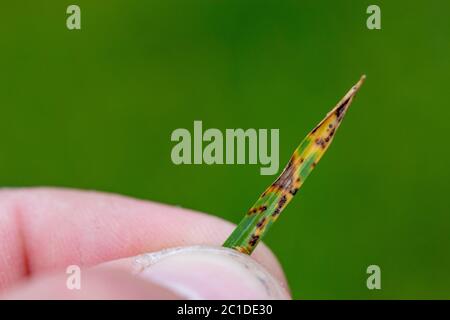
{"x": 95, "y": 109}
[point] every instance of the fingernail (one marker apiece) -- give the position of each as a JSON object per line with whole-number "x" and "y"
{"x": 206, "y": 272}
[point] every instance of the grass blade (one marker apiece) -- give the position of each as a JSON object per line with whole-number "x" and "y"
{"x": 276, "y": 197}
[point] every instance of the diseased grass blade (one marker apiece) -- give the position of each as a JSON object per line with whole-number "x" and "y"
{"x": 276, "y": 197}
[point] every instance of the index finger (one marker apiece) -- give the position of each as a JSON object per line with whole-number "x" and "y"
{"x": 45, "y": 229}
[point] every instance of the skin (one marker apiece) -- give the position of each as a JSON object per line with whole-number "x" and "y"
{"x": 44, "y": 230}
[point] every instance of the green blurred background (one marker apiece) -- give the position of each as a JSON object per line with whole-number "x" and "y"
{"x": 94, "y": 109}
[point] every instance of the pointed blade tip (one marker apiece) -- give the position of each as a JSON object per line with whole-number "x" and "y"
{"x": 360, "y": 82}
{"x": 352, "y": 92}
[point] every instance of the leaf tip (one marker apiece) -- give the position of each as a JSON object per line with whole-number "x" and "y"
{"x": 360, "y": 82}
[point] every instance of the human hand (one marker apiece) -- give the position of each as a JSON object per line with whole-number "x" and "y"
{"x": 43, "y": 231}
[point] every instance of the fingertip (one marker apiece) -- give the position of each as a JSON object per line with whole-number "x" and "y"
{"x": 95, "y": 284}
{"x": 206, "y": 272}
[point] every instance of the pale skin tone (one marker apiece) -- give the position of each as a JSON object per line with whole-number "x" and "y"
{"x": 44, "y": 230}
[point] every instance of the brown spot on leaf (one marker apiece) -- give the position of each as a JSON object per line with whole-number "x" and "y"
{"x": 261, "y": 222}
{"x": 276, "y": 212}
{"x": 282, "y": 201}
{"x": 320, "y": 142}
{"x": 332, "y": 132}
{"x": 253, "y": 240}
{"x": 340, "y": 110}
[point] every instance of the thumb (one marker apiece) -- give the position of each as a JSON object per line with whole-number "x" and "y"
{"x": 102, "y": 283}
{"x": 199, "y": 272}
{"x": 205, "y": 272}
